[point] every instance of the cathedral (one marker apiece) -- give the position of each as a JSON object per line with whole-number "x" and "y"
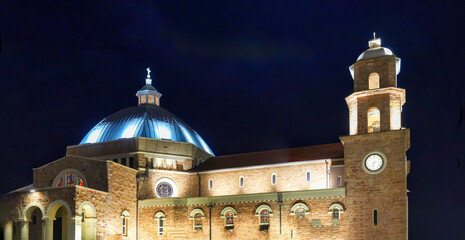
{"x": 143, "y": 173}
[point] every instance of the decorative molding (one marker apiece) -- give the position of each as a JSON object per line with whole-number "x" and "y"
{"x": 195, "y": 211}
{"x": 226, "y": 210}
{"x": 244, "y": 198}
{"x": 268, "y": 165}
{"x": 160, "y": 215}
{"x": 125, "y": 214}
{"x": 300, "y": 205}
{"x": 263, "y": 207}
{"x": 337, "y": 206}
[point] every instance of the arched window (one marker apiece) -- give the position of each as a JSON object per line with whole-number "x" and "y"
{"x": 308, "y": 176}
{"x": 264, "y": 212}
{"x": 228, "y": 214}
{"x": 299, "y": 210}
{"x": 374, "y": 121}
{"x": 210, "y": 184}
{"x": 335, "y": 210}
{"x": 274, "y": 179}
{"x": 197, "y": 215}
{"x": 241, "y": 182}
{"x": 373, "y": 81}
{"x": 125, "y": 217}
{"x": 375, "y": 217}
{"x": 160, "y": 216}
{"x": 69, "y": 177}
{"x": 336, "y": 214}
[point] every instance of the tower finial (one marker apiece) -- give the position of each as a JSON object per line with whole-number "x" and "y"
{"x": 148, "y": 80}
{"x": 376, "y": 42}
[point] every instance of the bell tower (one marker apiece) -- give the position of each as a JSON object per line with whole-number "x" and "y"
{"x": 375, "y": 162}
{"x": 376, "y": 104}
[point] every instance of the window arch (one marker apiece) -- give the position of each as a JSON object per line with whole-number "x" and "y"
{"x": 299, "y": 210}
{"x": 241, "y": 182}
{"x": 274, "y": 179}
{"x": 210, "y": 184}
{"x": 160, "y": 217}
{"x": 375, "y": 217}
{"x": 374, "y": 121}
{"x": 264, "y": 212}
{"x": 308, "y": 176}
{"x": 228, "y": 213}
{"x": 373, "y": 81}
{"x": 197, "y": 215}
{"x": 69, "y": 177}
{"x": 125, "y": 216}
{"x": 336, "y": 209}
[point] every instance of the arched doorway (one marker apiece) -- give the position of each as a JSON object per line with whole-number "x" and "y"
{"x": 35, "y": 225}
{"x": 88, "y": 221}
{"x": 57, "y": 226}
{"x": 31, "y": 225}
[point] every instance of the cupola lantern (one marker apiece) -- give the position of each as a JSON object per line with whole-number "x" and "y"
{"x": 148, "y": 94}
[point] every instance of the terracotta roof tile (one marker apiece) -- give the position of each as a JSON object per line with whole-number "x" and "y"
{"x": 325, "y": 151}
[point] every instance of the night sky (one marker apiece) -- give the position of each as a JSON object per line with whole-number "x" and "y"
{"x": 246, "y": 75}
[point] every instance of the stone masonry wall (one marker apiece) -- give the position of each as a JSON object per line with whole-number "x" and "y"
{"x": 384, "y": 66}
{"x": 386, "y": 191}
{"x": 93, "y": 170}
{"x": 187, "y": 183}
{"x": 289, "y": 178}
{"x": 246, "y": 226}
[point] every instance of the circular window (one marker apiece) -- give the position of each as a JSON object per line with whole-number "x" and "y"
{"x": 165, "y": 188}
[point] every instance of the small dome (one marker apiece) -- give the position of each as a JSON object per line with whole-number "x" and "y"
{"x": 146, "y": 120}
{"x": 374, "y": 53}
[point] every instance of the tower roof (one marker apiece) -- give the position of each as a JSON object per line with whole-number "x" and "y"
{"x": 375, "y": 50}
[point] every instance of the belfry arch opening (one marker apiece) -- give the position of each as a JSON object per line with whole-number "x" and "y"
{"x": 373, "y": 81}
{"x": 374, "y": 120}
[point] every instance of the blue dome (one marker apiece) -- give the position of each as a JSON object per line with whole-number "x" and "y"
{"x": 146, "y": 120}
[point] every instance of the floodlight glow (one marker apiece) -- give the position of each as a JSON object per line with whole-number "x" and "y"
{"x": 130, "y": 129}
{"x": 164, "y": 130}
{"x": 186, "y": 134}
{"x": 94, "y": 134}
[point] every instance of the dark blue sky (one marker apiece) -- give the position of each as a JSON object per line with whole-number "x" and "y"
{"x": 247, "y": 76}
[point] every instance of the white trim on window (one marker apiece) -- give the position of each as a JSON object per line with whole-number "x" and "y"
{"x": 339, "y": 181}
{"x": 160, "y": 217}
{"x": 274, "y": 179}
{"x": 308, "y": 176}
{"x": 125, "y": 216}
{"x": 210, "y": 184}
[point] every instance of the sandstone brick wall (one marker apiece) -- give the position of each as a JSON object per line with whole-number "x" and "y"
{"x": 384, "y": 66}
{"x": 289, "y": 178}
{"x": 94, "y": 171}
{"x": 187, "y": 183}
{"x": 246, "y": 225}
{"x": 385, "y": 192}
{"x": 122, "y": 196}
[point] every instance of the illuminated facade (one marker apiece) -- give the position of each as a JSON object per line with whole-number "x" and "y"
{"x": 142, "y": 173}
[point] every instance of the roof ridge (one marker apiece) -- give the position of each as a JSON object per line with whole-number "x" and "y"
{"x": 273, "y": 150}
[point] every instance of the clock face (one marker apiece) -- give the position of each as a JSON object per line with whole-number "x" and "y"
{"x": 374, "y": 162}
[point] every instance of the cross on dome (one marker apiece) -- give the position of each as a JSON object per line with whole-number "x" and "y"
{"x": 148, "y": 80}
